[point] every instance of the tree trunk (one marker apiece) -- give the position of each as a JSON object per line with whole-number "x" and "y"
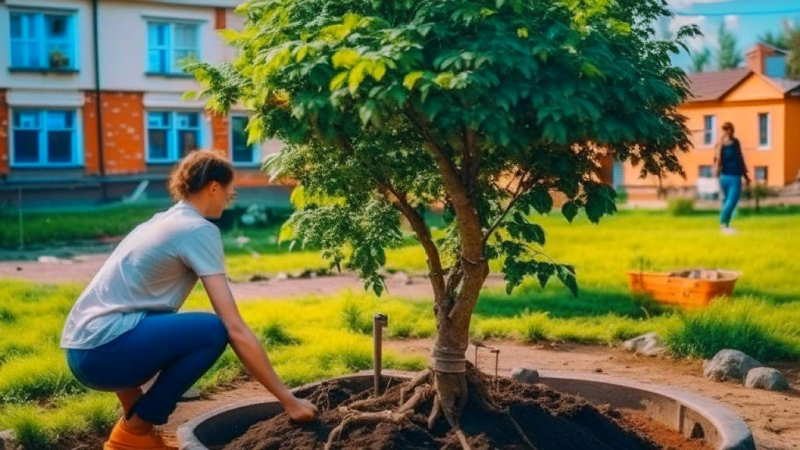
{"x": 452, "y": 340}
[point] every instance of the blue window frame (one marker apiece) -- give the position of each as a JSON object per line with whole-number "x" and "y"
{"x": 42, "y": 40}
{"x": 764, "y": 131}
{"x": 709, "y": 130}
{"x": 43, "y": 138}
{"x": 169, "y": 43}
{"x": 241, "y": 153}
{"x": 172, "y": 135}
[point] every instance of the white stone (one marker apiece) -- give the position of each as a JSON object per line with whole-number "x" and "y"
{"x": 647, "y": 344}
{"x": 525, "y": 375}
{"x": 766, "y": 378}
{"x": 8, "y": 440}
{"x": 729, "y": 365}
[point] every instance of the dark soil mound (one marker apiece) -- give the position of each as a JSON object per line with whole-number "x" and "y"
{"x": 549, "y": 419}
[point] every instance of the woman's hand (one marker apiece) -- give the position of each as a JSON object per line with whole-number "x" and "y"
{"x": 300, "y": 410}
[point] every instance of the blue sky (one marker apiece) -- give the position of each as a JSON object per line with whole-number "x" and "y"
{"x": 747, "y": 18}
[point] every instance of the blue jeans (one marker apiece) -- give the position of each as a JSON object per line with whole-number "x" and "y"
{"x": 180, "y": 346}
{"x": 731, "y": 186}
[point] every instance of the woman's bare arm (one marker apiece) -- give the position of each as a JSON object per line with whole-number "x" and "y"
{"x": 249, "y": 350}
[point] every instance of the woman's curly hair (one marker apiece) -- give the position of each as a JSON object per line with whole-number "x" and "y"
{"x": 196, "y": 170}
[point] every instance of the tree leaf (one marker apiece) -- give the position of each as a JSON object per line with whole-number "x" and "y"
{"x": 539, "y": 198}
{"x": 346, "y": 57}
{"x": 378, "y": 70}
{"x": 570, "y": 210}
{"x": 410, "y": 80}
{"x": 522, "y": 32}
{"x": 229, "y": 35}
{"x": 255, "y": 130}
{"x": 338, "y": 80}
{"x": 444, "y": 79}
{"x": 301, "y": 53}
{"x": 356, "y": 76}
{"x": 567, "y": 276}
{"x": 543, "y": 273}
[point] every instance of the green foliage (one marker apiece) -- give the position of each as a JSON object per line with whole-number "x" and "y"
{"x": 793, "y": 60}
{"x": 700, "y": 60}
{"x": 53, "y": 227}
{"x": 387, "y": 105}
{"x": 275, "y": 334}
{"x": 782, "y": 39}
{"x": 728, "y": 56}
{"x": 743, "y": 326}
{"x": 680, "y": 206}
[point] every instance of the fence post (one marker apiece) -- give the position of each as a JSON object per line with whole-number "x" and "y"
{"x": 19, "y": 208}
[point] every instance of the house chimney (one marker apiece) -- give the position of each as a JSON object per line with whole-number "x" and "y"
{"x": 757, "y": 57}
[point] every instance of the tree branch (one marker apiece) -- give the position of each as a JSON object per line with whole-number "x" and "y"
{"x": 468, "y": 221}
{"x": 517, "y": 194}
{"x": 400, "y": 202}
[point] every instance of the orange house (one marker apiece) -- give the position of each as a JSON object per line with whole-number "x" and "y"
{"x": 765, "y": 111}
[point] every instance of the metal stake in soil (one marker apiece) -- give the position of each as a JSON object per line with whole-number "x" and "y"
{"x": 378, "y": 322}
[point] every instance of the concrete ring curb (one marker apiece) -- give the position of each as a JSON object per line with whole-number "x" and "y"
{"x": 692, "y": 415}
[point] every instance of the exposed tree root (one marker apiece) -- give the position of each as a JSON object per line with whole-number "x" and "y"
{"x": 436, "y": 412}
{"x": 462, "y": 438}
{"x": 358, "y": 418}
{"x": 421, "y": 394}
{"x": 425, "y": 386}
{"x": 520, "y": 431}
{"x": 420, "y": 379}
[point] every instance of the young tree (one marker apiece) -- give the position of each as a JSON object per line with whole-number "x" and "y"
{"x": 700, "y": 60}
{"x": 780, "y": 39}
{"x": 728, "y": 56}
{"x": 793, "y": 60}
{"x": 484, "y": 106}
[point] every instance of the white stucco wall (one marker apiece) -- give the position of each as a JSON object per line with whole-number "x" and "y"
{"x": 123, "y": 44}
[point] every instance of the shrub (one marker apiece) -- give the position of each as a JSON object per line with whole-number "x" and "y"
{"x": 680, "y": 206}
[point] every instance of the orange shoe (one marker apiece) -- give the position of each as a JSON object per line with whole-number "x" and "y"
{"x": 123, "y": 438}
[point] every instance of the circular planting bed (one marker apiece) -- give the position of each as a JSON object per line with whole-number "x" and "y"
{"x": 563, "y": 411}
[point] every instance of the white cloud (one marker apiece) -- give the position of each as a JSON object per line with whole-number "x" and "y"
{"x": 732, "y": 22}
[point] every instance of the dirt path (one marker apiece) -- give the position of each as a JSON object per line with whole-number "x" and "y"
{"x": 83, "y": 268}
{"x": 773, "y": 417}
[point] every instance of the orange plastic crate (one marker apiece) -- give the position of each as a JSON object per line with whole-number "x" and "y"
{"x": 668, "y": 289}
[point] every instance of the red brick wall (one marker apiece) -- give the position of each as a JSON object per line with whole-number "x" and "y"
{"x": 123, "y": 133}
{"x": 220, "y": 130}
{"x": 4, "y": 127}
{"x": 220, "y": 16}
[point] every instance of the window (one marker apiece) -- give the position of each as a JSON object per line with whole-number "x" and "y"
{"x": 241, "y": 153}
{"x": 704, "y": 172}
{"x": 44, "y": 138}
{"x": 709, "y": 130}
{"x": 172, "y": 135}
{"x": 170, "y": 43}
{"x": 43, "y": 41}
{"x": 760, "y": 174}
{"x": 764, "y": 137}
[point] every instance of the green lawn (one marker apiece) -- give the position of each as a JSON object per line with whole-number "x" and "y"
{"x": 317, "y": 337}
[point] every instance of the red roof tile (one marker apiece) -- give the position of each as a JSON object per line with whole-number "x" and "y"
{"x": 713, "y": 85}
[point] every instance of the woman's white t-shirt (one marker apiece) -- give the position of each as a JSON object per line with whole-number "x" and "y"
{"x": 153, "y": 269}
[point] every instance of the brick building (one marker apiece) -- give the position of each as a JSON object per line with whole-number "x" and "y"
{"x": 91, "y": 100}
